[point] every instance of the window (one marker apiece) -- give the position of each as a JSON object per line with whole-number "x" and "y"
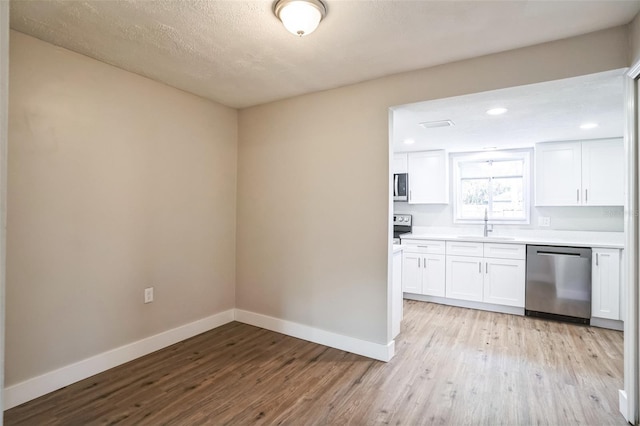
{"x": 497, "y": 182}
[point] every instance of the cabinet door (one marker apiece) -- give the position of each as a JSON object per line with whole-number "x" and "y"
{"x": 504, "y": 281}
{"x": 433, "y": 273}
{"x": 396, "y": 295}
{"x": 428, "y": 177}
{"x": 558, "y": 177}
{"x": 399, "y": 163}
{"x": 603, "y": 172}
{"x": 464, "y": 278}
{"x": 605, "y": 283}
{"x": 411, "y": 272}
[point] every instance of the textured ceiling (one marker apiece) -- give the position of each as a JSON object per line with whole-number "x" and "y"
{"x": 237, "y": 53}
{"x": 550, "y": 111}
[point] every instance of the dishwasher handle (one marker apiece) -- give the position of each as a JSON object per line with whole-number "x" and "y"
{"x": 557, "y": 253}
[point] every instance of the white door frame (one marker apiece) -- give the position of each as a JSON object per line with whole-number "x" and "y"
{"x": 4, "y": 120}
{"x": 629, "y": 396}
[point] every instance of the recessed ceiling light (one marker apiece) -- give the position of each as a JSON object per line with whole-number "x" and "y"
{"x": 496, "y": 111}
{"x": 438, "y": 123}
{"x": 409, "y": 141}
{"x": 587, "y": 126}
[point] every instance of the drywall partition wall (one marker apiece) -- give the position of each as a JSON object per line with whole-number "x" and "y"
{"x": 116, "y": 183}
{"x": 312, "y": 238}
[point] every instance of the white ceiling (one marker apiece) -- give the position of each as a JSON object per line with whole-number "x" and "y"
{"x": 550, "y": 111}
{"x": 237, "y": 53}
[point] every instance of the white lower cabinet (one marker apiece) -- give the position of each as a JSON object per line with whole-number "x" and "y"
{"x": 411, "y": 273}
{"x": 396, "y": 295}
{"x": 478, "y": 272}
{"x": 464, "y": 278}
{"x": 423, "y": 268}
{"x": 504, "y": 282}
{"x": 500, "y": 281}
{"x": 433, "y": 273}
{"x": 605, "y": 283}
{"x": 423, "y": 273}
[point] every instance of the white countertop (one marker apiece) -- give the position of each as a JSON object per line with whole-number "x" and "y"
{"x": 538, "y": 237}
{"x": 397, "y": 248}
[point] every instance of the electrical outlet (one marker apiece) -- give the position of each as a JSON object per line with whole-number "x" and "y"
{"x": 148, "y": 295}
{"x": 544, "y": 221}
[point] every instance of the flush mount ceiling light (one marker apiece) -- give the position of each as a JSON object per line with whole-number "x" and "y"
{"x": 587, "y": 126}
{"x": 439, "y": 123}
{"x": 300, "y": 17}
{"x": 496, "y": 111}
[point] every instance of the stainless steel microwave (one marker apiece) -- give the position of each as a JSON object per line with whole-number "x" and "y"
{"x": 400, "y": 187}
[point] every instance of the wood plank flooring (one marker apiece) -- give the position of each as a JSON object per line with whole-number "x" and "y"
{"x": 453, "y": 366}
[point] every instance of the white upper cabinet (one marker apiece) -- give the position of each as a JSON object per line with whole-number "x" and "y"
{"x": 399, "y": 163}
{"x": 589, "y": 173}
{"x": 603, "y": 172}
{"x": 558, "y": 174}
{"x": 428, "y": 177}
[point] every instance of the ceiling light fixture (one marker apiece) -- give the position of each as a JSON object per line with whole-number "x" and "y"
{"x": 587, "y": 126}
{"x": 496, "y": 111}
{"x": 439, "y": 123}
{"x": 300, "y": 17}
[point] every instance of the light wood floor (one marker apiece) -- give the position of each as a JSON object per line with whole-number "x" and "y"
{"x": 453, "y": 366}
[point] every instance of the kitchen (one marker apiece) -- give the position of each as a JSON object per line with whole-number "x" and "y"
{"x": 512, "y": 201}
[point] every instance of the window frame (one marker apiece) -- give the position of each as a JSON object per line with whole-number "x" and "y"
{"x": 499, "y": 155}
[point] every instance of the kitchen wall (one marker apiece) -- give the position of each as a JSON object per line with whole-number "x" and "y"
{"x": 561, "y": 218}
{"x": 313, "y": 182}
{"x": 634, "y": 41}
{"x": 116, "y": 183}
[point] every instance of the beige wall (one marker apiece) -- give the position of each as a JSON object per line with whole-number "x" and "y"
{"x": 116, "y": 183}
{"x": 634, "y": 41}
{"x": 313, "y": 187}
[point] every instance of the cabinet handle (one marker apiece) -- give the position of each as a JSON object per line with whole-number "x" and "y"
{"x": 597, "y": 259}
{"x": 424, "y": 262}
{"x": 410, "y": 197}
{"x": 586, "y": 196}
{"x": 479, "y": 267}
{"x": 486, "y": 267}
{"x": 578, "y": 195}
{"x": 418, "y": 262}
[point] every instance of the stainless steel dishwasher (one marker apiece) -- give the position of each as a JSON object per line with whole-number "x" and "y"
{"x": 559, "y": 283}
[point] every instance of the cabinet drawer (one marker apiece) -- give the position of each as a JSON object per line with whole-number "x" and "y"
{"x": 463, "y": 248}
{"x": 505, "y": 251}
{"x": 425, "y": 246}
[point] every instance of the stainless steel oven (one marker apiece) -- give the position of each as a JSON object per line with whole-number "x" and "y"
{"x": 401, "y": 225}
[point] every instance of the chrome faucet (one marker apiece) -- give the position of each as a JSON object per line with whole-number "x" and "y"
{"x": 486, "y": 224}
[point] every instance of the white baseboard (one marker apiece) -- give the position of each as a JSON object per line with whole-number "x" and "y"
{"x": 466, "y": 304}
{"x": 623, "y": 404}
{"x": 607, "y": 323}
{"x": 377, "y": 351}
{"x": 33, "y": 388}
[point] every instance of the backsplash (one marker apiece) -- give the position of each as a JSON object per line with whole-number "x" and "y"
{"x": 562, "y": 218}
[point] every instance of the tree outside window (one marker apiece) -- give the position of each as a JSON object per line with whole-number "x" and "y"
{"x": 496, "y": 184}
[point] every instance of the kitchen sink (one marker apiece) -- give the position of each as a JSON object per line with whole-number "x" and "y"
{"x": 481, "y": 238}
